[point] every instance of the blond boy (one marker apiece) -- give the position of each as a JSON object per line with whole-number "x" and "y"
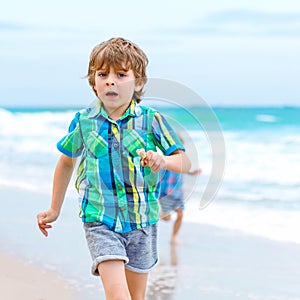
{"x": 118, "y": 191}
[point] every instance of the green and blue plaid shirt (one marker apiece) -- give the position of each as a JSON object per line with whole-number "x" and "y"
{"x": 113, "y": 188}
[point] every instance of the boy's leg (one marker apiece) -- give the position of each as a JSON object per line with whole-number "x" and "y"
{"x": 137, "y": 283}
{"x": 166, "y": 216}
{"x": 142, "y": 253}
{"x": 177, "y": 224}
{"x": 166, "y": 207}
{"x": 113, "y": 277}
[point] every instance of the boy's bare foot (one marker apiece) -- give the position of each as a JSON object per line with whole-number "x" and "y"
{"x": 174, "y": 240}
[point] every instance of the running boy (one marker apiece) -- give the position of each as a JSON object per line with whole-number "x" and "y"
{"x": 118, "y": 191}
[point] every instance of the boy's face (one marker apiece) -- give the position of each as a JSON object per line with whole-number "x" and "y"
{"x": 115, "y": 89}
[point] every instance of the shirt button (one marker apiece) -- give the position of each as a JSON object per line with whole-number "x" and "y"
{"x": 116, "y": 145}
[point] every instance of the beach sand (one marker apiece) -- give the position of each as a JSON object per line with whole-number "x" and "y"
{"x": 19, "y": 280}
{"x": 209, "y": 263}
{"x": 213, "y": 263}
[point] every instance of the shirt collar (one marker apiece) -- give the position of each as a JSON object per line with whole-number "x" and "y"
{"x": 96, "y": 110}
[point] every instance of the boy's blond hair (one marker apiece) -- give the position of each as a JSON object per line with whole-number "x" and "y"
{"x": 119, "y": 53}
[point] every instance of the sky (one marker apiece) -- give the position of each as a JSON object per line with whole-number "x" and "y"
{"x": 239, "y": 53}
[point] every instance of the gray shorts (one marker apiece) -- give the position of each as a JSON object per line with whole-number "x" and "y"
{"x": 138, "y": 248}
{"x": 169, "y": 204}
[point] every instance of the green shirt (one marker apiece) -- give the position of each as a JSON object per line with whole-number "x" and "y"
{"x": 113, "y": 188}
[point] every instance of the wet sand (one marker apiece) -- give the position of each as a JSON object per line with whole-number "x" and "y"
{"x": 212, "y": 263}
{"x": 209, "y": 263}
{"x": 19, "y": 280}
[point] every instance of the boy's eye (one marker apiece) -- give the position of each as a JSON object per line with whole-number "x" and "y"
{"x": 121, "y": 75}
{"x": 102, "y": 74}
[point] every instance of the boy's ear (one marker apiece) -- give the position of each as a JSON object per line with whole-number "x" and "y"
{"x": 138, "y": 87}
{"x": 95, "y": 91}
{"x": 139, "y": 84}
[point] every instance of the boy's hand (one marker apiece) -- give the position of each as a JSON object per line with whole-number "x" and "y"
{"x": 154, "y": 160}
{"x": 46, "y": 217}
{"x": 195, "y": 172}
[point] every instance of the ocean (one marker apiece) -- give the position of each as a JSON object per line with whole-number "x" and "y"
{"x": 256, "y": 191}
{"x": 259, "y": 190}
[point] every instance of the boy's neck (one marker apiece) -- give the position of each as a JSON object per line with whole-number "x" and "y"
{"x": 117, "y": 113}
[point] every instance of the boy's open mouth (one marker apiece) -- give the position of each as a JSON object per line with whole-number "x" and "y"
{"x": 111, "y": 94}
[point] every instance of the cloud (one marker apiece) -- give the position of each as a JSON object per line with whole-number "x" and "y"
{"x": 256, "y": 22}
{"x": 246, "y": 23}
{"x": 253, "y": 16}
{"x": 11, "y": 26}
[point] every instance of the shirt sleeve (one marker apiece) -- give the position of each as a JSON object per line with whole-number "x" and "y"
{"x": 72, "y": 144}
{"x": 167, "y": 139}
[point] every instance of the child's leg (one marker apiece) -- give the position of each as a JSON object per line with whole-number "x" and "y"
{"x": 137, "y": 283}
{"x": 166, "y": 217}
{"x": 142, "y": 253}
{"x": 113, "y": 277}
{"x": 166, "y": 207}
{"x": 177, "y": 224}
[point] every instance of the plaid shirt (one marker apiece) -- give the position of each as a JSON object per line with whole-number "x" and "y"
{"x": 113, "y": 188}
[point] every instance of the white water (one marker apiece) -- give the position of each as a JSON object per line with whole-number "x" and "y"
{"x": 259, "y": 194}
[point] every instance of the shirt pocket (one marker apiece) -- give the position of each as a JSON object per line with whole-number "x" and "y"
{"x": 134, "y": 139}
{"x": 96, "y": 145}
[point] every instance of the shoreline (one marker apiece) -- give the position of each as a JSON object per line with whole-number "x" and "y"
{"x": 216, "y": 263}
{"x": 210, "y": 263}
{"x": 20, "y": 280}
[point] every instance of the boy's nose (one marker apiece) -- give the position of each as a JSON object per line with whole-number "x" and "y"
{"x": 110, "y": 80}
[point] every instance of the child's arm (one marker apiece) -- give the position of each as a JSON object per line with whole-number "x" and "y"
{"x": 62, "y": 175}
{"x": 195, "y": 172}
{"x": 177, "y": 162}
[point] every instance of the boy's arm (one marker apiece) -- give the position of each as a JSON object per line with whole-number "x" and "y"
{"x": 62, "y": 175}
{"x": 195, "y": 172}
{"x": 177, "y": 162}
